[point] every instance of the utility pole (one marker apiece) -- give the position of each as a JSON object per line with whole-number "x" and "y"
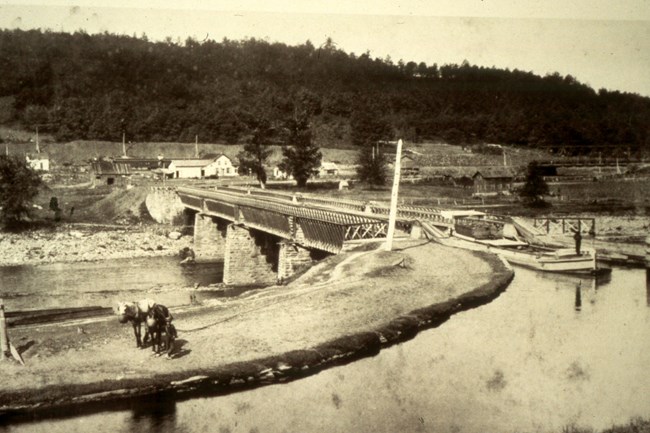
{"x": 196, "y": 145}
{"x": 392, "y": 216}
{"x": 38, "y": 149}
{"x": 505, "y": 163}
{"x": 123, "y": 138}
{"x": 4, "y": 338}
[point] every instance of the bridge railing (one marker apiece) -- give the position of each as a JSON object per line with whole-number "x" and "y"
{"x": 304, "y": 198}
{"x": 403, "y": 211}
{"x": 340, "y": 216}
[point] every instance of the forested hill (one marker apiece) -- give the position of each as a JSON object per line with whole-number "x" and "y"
{"x": 82, "y": 86}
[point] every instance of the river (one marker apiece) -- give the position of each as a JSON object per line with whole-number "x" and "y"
{"x": 550, "y": 353}
{"x": 103, "y": 283}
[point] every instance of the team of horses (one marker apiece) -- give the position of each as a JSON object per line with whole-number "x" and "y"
{"x": 157, "y": 320}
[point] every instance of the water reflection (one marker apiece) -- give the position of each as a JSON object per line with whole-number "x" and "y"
{"x": 155, "y": 414}
{"x": 63, "y": 285}
{"x": 527, "y": 362}
{"x": 578, "y": 301}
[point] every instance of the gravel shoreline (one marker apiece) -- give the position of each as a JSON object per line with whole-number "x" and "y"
{"x": 79, "y": 243}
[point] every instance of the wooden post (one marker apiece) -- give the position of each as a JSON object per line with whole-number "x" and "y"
{"x": 392, "y": 216}
{"x": 196, "y": 145}
{"x": 4, "y": 338}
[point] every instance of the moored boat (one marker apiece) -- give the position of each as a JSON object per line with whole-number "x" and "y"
{"x": 563, "y": 260}
{"x": 475, "y": 230}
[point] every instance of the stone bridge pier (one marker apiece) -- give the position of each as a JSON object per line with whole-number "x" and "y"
{"x": 251, "y": 257}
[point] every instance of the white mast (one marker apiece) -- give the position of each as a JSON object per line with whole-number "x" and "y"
{"x": 393, "y": 198}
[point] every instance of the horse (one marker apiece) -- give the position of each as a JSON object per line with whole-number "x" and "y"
{"x": 136, "y": 313}
{"x": 158, "y": 321}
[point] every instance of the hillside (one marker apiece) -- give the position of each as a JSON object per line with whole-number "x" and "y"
{"x": 96, "y": 87}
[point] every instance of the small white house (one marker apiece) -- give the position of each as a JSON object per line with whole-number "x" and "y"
{"x": 38, "y": 161}
{"x": 188, "y": 168}
{"x": 221, "y": 166}
{"x": 327, "y": 169}
{"x": 278, "y": 173}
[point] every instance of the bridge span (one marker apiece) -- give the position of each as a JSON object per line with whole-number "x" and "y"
{"x": 265, "y": 237}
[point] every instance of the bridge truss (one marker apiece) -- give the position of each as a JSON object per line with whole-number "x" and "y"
{"x": 311, "y": 225}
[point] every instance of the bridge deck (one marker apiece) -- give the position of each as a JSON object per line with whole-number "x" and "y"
{"x": 313, "y": 222}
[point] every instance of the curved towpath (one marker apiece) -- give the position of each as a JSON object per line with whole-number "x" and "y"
{"x": 345, "y": 307}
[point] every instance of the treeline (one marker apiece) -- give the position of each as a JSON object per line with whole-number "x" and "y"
{"x": 80, "y": 86}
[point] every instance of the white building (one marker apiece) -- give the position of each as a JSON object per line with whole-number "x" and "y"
{"x": 187, "y": 168}
{"x": 38, "y": 161}
{"x": 278, "y": 173}
{"x": 221, "y": 166}
{"x": 328, "y": 169}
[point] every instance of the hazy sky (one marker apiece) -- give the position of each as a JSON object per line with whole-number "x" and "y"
{"x": 601, "y": 43}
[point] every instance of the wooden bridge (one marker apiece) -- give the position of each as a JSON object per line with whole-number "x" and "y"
{"x": 288, "y": 229}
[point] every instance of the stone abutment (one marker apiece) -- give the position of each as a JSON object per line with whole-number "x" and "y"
{"x": 251, "y": 257}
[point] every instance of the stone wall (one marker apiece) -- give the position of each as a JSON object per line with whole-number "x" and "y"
{"x": 292, "y": 259}
{"x": 250, "y": 257}
{"x": 209, "y": 237}
{"x": 164, "y": 205}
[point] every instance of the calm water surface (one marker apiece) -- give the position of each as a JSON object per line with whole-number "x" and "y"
{"x": 60, "y": 285}
{"x": 543, "y": 356}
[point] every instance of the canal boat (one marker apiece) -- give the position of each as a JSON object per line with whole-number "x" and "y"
{"x": 564, "y": 260}
{"x": 477, "y": 231}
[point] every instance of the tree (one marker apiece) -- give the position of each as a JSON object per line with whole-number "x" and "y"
{"x": 369, "y": 127}
{"x": 255, "y": 152}
{"x": 19, "y": 184}
{"x": 301, "y": 156}
{"x": 535, "y": 188}
{"x": 371, "y": 165}
{"x": 54, "y": 207}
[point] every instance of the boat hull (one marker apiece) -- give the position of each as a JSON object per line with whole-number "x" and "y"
{"x": 548, "y": 261}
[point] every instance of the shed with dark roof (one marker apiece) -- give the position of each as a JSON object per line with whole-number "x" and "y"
{"x": 493, "y": 179}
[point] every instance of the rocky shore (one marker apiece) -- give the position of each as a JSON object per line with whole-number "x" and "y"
{"x": 86, "y": 242}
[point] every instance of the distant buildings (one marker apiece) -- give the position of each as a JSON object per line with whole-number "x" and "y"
{"x": 328, "y": 169}
{"x": 222, "y": 166}
{"x": 115, "y": 170}
{"x": 493, "y": 179}
{"x": 38, "y": 161}
{"x": 278, "y": 173}
{"x": 211, "y": 167}
{"x": 409, "y": 167}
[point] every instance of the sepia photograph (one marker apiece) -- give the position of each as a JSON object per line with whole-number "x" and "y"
{"x": 356, "y": 217}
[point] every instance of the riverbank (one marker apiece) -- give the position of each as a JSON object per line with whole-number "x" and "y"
{"x": 88, "y": 242}
{"x": 348, "y": 306}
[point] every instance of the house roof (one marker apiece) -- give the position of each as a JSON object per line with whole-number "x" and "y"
{"x": 143, "y": 163}
{"x": 110, "y": 167}
{"x": 495, "y": 172}
{"x": 406, "y": 161}
{"x": 215, "y": 156}
{"x": 191, "y": 162}
{"x": 328, "y": 166}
